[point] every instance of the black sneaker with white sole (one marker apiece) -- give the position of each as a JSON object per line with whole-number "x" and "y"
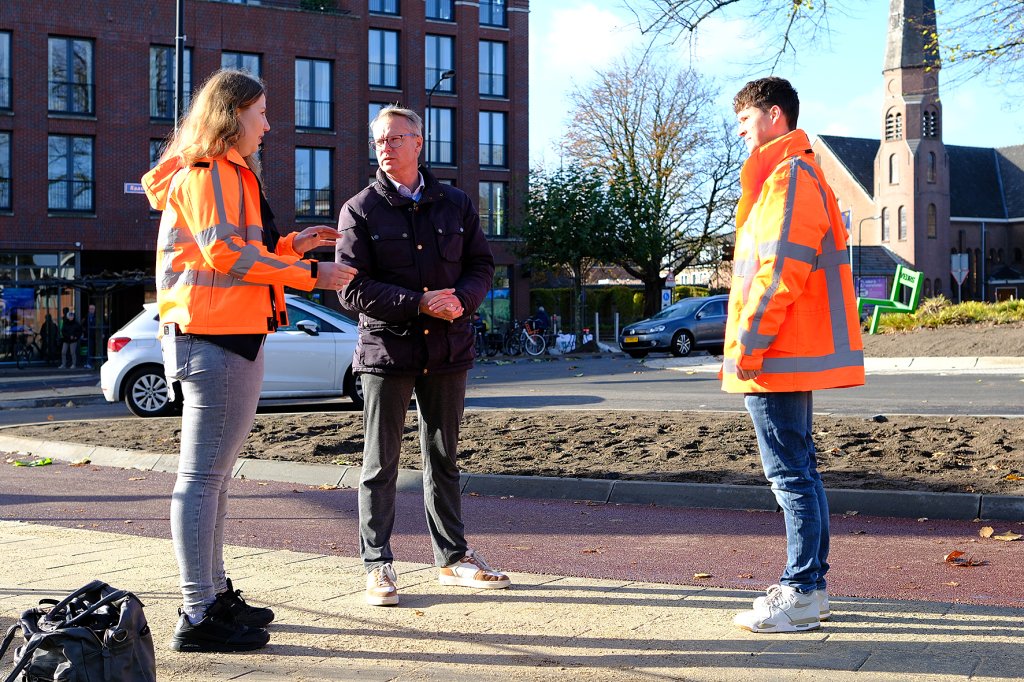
{"x": 242, "y": 612}
{"x": 217, "y": 631}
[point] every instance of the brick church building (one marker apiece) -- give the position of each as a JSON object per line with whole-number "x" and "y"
{"x": 915, "y": 200}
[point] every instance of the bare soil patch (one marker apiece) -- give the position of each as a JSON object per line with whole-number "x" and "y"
{"x": 958, "y": 454}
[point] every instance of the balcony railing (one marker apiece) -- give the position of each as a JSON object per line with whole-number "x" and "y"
{"x": 492, "y": 84}
{"x": 70, "y": 195}
{"x": 493, "y": 155}
{"x": 71, "y": 97}
{"x": 383, "y": 75}
{"x": 441, "y": 151}
{"x": 447, "y": 85}
{"x": 312, "y": 113}
{"x": 313, "y": 203}
{"x": 161, "y": 103}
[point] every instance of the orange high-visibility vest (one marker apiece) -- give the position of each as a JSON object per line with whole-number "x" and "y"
{"x": 213, "y": 273}
{"x": 792, "y": 308}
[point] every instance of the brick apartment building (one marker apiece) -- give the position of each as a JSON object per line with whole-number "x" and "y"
{"x": 916, "y": 200}
{"x": 86, "y": 102}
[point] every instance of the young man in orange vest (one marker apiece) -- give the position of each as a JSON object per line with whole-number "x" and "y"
{"x": 792, "y": 329}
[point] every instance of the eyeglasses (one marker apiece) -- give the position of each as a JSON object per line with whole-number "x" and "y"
{"x": 393, "y": 141}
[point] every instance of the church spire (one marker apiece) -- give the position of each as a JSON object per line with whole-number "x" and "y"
{"x": 912, "y": 32}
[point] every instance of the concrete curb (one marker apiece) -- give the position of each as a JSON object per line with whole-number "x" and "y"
{"x": 892, "y": 503}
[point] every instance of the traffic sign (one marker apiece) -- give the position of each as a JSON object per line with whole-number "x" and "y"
{"x": 959, "y": 267}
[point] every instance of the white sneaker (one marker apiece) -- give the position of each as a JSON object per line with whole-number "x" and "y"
{"x": 783, "y": 609}
{"x": 824, "y": 611}
{"x": 472, "y": 571}
{"x": 382, "y": 586}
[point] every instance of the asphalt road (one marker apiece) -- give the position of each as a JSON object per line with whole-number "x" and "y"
{"x": 620, "y": 383}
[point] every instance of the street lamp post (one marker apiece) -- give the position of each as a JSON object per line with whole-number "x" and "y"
{"x": 860, "y": 255}
{"x": 443, "y": 77}
{"x": 179, "y": 62}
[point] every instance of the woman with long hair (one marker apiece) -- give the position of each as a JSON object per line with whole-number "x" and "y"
{"x": 221, "y": 267}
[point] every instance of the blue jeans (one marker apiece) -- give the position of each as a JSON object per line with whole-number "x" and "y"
{"x": 782, "y": 422}
{"x": 220, "y": 391}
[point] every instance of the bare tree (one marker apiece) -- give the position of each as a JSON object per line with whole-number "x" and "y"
{"x": 980, "y": 35}
{"x": 653, "y": 133}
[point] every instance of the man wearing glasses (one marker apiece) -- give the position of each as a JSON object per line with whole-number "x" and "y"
{"x": 424, "y": 268}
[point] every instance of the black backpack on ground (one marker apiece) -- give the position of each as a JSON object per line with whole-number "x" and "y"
{"x": 95, "y": 633}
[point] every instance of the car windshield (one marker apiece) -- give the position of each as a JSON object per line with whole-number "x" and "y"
{"x": 685, "y": 307}
{"x": 327, "y": 312}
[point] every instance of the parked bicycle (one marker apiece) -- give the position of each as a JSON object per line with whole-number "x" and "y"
{"x": 520, "y": 337}
{"x": 25, "y": 348}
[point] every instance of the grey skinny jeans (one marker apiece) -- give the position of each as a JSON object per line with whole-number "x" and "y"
{"x": 220, "y": 391}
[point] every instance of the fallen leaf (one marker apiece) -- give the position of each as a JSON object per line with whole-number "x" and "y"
{"x": 137, "y": 478}
{"x": 519, "y": 547}
{"x": 986, "y": 532}
{"x": 746, "y": 576}
{"x": 850, "y": 513}
{"x": 128, "y": 521}
{"x": 953, "y": 556}
{"x": 969, "y": 562}
{"x": 80, "y": 462}
{"x": 858, "y": 532}
{"x": 595, "y": 550}
{"x": 418, "y": 612}
{"x": 49, "y": 417}
{"x": 474, "y": 494}
{"x": 326, "y": 486}
{"x": 952, "y": 583}
{"x": 263, "y": 483}
{"x": 1013, "y": 477}
{"x": 701, "y": 576}
{"x": 922, "y": 519}
{"x": 1008, "y": 536}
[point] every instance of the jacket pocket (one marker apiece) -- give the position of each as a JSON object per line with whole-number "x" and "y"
{"x": 392, "y": 246}
{"x": 449, "y": 241}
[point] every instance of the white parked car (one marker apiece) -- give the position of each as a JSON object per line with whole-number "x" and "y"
{"x": 312, "y": 357}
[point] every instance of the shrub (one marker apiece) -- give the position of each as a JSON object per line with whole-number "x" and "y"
{"x": 938, "y": 311}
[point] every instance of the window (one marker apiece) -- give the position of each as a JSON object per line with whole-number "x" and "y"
{"x": 492, "y": 139}
{"x": 5, "y": 171}
{"x": 440, "y": 9}
{"x": 383, "y": 58}
{"x": 312, "y": 94}
{"x": 5, "y": 70}
{"x": 492, "y": 69}
{"x": 932, "y": 222}
{"x": 440, "y": 132}
{"x": 440, "y": 57}
{"x": 492, "y": 13}
{"x": 161, "y": 81}
{"x": 313, "y": 183}
{"x": 885, "y": 224}
{"x": 901, "y": 216}
{"x": 894, "y": 125}
{"x": 241, "y": 60}
{"x": 492, "y": 208}
{"x": 71, "y": 83}
{"x": 894, "y": 169}
{"x": 375, "y": 108}
{"x": 156, "y": 150}
{"x": 929, "y": 123}
{"x": 70, "y": 172}
{"x": 383, "y": 6}
{"x": 931, "y": 166}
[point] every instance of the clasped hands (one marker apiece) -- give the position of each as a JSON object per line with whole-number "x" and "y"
{"x": 442, "y": 304}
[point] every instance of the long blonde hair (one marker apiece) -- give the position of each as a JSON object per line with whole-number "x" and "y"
{"x": 211, "y": 126}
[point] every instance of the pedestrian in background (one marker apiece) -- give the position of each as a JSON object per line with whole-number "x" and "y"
{"x": 792, "y": 329}
{"x": 50, "y": 342}
{"x": 70, "y": 335}
{"x": 90, "y": 335}
{"x": 221, "y": 271}
{"x": 424, "y": 267}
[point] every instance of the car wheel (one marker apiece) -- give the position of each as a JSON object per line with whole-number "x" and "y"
{"x": 682, "y": 344}
{"x": 637, "y": 354}
{"x": 354, "y": 388}
{"x": 145, "y": 393}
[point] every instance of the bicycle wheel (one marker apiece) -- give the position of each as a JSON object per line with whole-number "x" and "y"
{"x": 513, "y": 346}
{"x": 534, "y": 344}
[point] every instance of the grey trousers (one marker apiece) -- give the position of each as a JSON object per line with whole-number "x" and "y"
{"x": 440, "y": 400}
{"x": 221, "y": 390}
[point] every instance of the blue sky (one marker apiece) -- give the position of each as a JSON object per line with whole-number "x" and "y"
{"x": 840, "y": 82}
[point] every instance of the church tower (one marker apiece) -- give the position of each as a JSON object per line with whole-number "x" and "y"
{"x": 912, "y": 167}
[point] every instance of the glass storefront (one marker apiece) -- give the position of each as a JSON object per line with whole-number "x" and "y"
{"x": 496, "y": 309}
{"x": 34, "y": 292}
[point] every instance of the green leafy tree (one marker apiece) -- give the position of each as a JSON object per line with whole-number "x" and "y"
{"x": 567, "y": 226}
{"x": 670, "y": 163}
